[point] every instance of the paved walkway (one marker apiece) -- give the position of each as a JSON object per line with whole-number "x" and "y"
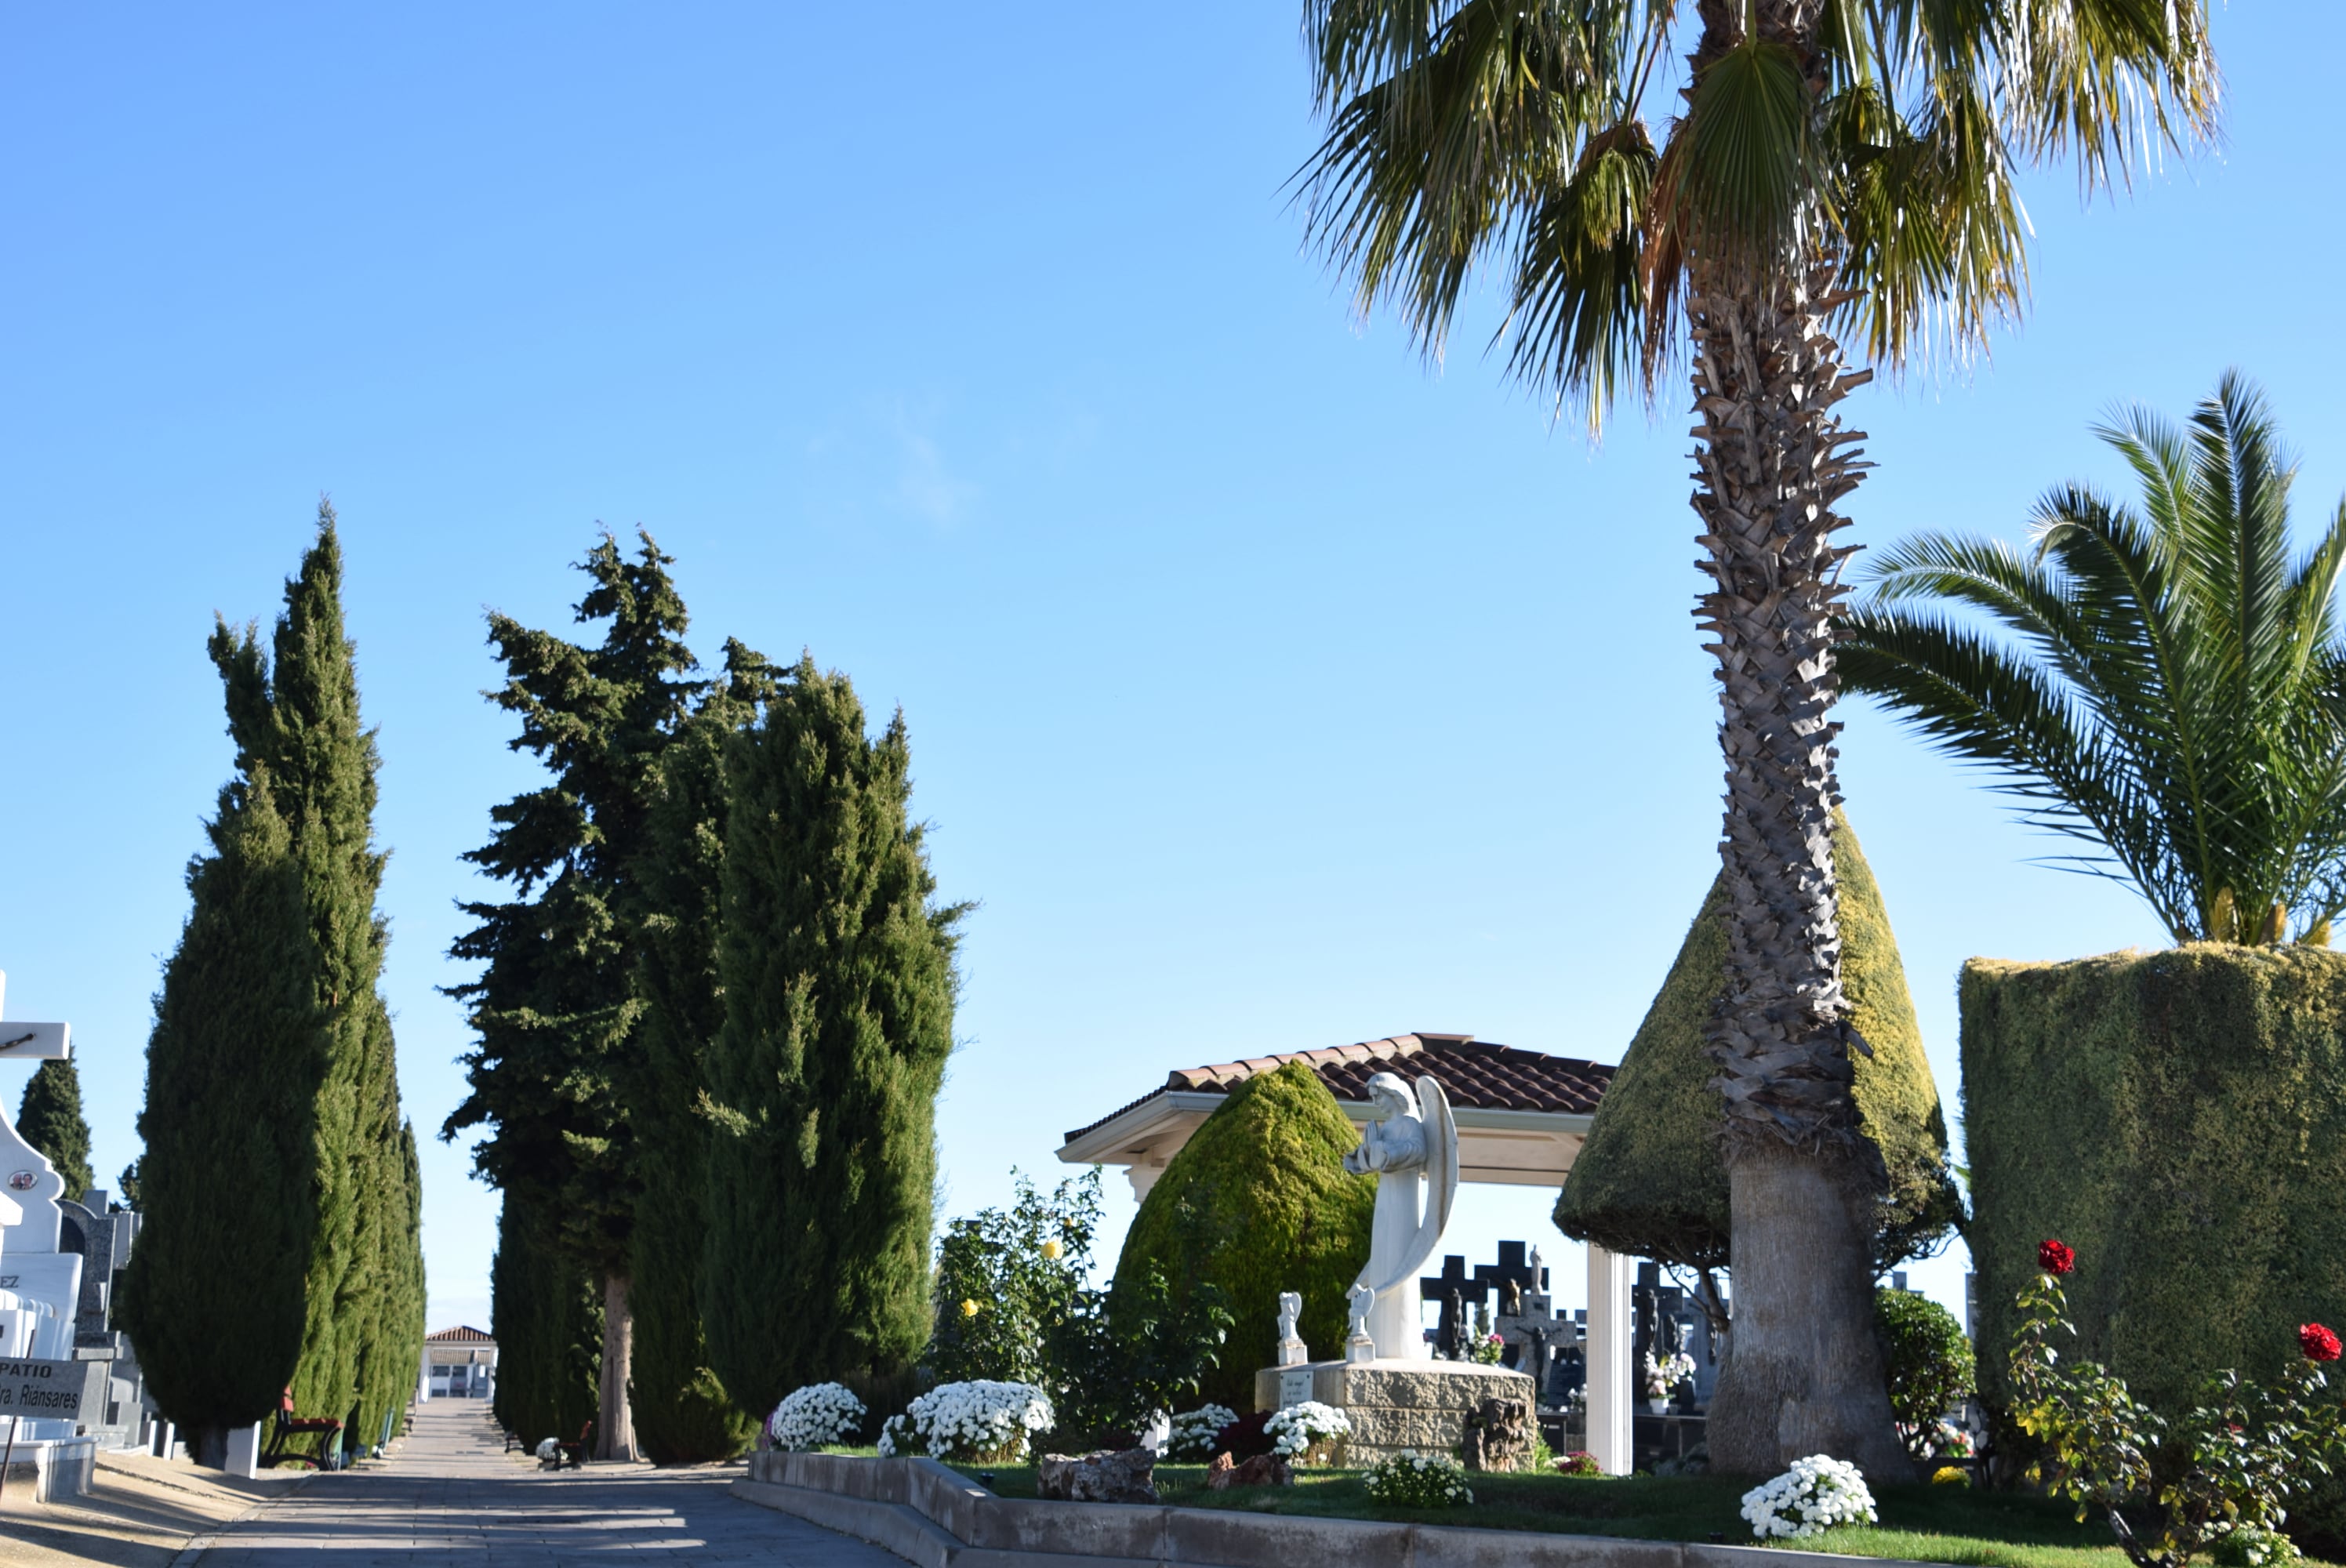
{"x": 453, "y": 1499}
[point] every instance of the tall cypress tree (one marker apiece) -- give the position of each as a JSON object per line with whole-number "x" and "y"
{"x": 293, "y": 849}
{"x": 49, "y": 1118}
{"x": 554, "y": 1008}
{"x": 839, "y": 989}
{"x": 215, "y": 1293}
{"x": 682, "y": 1412}
{"x": 546, "y": 1316}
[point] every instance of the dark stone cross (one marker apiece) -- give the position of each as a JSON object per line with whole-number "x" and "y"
{"x": 1453, "y": 1277}
{"x": 1514, "y": 1265}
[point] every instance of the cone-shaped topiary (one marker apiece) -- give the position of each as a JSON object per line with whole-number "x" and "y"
{"x": 1649, "y": 1182}
{"x": 49, "y": 1118}
{"x": 1258, "y": 1202}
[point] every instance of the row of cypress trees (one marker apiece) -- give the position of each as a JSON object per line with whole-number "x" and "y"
{"x": 712, "y": 1020}
{"x": 282, "y": 1245}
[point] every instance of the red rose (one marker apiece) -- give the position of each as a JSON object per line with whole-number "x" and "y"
{"x": 2318, "y": 1343}
{"x": 2055, "y": 1258}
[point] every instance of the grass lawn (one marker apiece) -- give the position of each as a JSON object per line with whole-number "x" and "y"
{"x": 1930, "y": 1524}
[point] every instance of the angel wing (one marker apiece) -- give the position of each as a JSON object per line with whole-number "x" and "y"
{"x": 1441, "y": 1135}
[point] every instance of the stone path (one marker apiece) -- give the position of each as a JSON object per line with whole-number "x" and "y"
{"x": 453, "y": 1499}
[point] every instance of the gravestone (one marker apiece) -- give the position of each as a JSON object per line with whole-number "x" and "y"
{"x": 40, "y": 1279}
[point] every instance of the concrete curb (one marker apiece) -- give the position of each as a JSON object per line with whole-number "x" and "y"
{"x": 934, "y": 1518}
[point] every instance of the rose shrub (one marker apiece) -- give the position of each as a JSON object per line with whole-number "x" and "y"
{"x": 2245, "y": 1451}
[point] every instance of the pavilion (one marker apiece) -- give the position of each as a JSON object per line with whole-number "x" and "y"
{"x": 1523, "y": 1116}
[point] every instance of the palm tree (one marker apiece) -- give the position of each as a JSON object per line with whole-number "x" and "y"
{"x": 1833, "y": 169}
{"x": 2173, "y": 689}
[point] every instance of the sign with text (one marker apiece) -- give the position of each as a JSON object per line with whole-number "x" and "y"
{"x": 1294, "y": 1385}
{"x": 43, "y": 1391}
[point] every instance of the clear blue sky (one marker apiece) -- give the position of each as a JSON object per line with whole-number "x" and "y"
{"x": 1269, "y": 689}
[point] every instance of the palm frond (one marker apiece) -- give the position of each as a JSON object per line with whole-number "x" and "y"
{"x": 1577, "y": 317}
{"x": 2170, "y": 680}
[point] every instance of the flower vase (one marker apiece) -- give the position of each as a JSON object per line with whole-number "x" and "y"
{"x": 1660, "y": 1406}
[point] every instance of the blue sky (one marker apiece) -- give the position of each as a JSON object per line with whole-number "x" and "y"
{"x": 1270, "y": 689}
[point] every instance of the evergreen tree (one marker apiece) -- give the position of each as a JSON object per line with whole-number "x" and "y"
{"x": 839, "y": 989}
{"x": 554, "y": 1008}
{"x": 49, "y": 1118}
{"x": 129, "y": 1182}
{"x": 546, "y": 1316}
{"x": 215, "y": 1292}
{"x": 294, "y": 839}
{"x": 681, "y": 1413}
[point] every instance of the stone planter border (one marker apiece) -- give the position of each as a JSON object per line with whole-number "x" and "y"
{"x": 933, "y": 1517}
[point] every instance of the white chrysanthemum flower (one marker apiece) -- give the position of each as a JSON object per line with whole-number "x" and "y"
{"x": 814, "y": 1415}
{"x": 1816, "y": 1494}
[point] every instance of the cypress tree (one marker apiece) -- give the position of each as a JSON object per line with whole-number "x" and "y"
{"x": 215, "y": 1292}
{"x": 681, "y": 1413}
{"x": 294, "y": 841}
{"x": 839, "y": 990}
{"x": 546, "y": 1316}
{"x": 554, "y": 1008}
{"x": 49, "y": 1118}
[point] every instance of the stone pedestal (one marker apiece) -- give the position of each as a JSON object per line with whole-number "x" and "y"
{"x": 1418, "y": 1406}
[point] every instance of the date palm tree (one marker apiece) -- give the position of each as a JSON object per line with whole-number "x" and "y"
{"x": 1828, "y": 170}
{"x": 2170, "y": 686}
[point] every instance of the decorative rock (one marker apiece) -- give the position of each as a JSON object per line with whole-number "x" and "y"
{"x": 1105, "y": 1476}
{"x": 1262, "y": 1470}
{"x": 1498, "y": 1436}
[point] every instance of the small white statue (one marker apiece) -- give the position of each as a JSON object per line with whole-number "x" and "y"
{"x": 1361, "y": 1347}
{"x": 1292, "y": 1350}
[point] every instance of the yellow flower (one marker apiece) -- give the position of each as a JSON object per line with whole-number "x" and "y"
{"x": 1052, "y": 1249}
{"x": 968, "y": 1307}
{"x": 1950, "y": 1475}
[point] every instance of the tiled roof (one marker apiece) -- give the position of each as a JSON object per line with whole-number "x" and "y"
{"x": 463, "y": 1336}
{"x": 1478, "y": 1074}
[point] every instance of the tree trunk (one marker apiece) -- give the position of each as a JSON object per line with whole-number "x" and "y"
{"x": 614, "y": 1426}
{"x": 1805, "y": 1376}
{"x": 208, "y": 1446}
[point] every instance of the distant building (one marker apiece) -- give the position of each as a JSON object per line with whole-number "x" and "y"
{"x": 459, "y": 1363}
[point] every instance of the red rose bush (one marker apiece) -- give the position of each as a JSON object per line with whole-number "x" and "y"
{"x": 2245, "y": 1451}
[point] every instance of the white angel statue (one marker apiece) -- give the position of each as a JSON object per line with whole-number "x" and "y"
{"x": 1412, "y": 1143}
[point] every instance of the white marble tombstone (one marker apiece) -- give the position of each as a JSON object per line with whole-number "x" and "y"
{"x": 40, "y": 1286}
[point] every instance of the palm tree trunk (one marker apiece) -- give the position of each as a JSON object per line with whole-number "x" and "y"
{"x": 615, "y": 1424}
{"x": 1804, "y": 1377}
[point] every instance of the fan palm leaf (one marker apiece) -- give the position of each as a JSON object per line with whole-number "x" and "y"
{"x": 2164, "y": 683}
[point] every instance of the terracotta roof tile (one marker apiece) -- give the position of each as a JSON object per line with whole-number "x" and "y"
{"x": 1478, "y": 1074}
{"x": 463, "y": 1336}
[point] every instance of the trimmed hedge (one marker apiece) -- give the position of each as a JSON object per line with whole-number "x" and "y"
{"x": 1258, "y": 1202}
{"x": 1649, "y": 1183}
{"x": 2180, "y": 1118}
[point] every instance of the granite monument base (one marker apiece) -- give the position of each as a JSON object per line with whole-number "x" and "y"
{"x": 1418, "y": 1407}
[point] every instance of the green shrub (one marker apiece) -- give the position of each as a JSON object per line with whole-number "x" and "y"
{"x": 2179, "y": 1117}
{"x": 1007, "y": 1280}
{"x": 1929, "y": 1362}
{"x": 1649, "y": 1182}
{"x": 1258, "y": 1202}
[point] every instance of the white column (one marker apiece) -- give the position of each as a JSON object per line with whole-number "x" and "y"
{"x": 423, "y": 1378}
{"x": 1609, "y": 1382}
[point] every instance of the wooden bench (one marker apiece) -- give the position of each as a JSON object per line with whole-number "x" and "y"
{"x": 301, "y": 1440}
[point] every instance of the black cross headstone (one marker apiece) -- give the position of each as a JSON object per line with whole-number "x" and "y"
{"x": 1513, "y": 1265}
{"x": 1453, "y": 1277}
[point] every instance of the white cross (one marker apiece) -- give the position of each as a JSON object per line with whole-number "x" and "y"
{"x": 33, "y": 1042}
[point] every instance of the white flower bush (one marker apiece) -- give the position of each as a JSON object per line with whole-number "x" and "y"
{"x": 1666, "y": 1372}
{"x": 548, "y": 1449}
{"x": 1296, "y": 1430}
{"x": 1419, "y": 1481}
{"x": 977, "y": 1420}
{"x": 1817, "y": 1493}
{"x": 1194, "y": 1432}
{"x": 812, "y": 1416}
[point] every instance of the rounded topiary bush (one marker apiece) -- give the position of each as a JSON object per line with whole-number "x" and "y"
{"x": 1649, "y": 1182}
{"x": 1256, "y": 1203}
{"x": 1929, "y": 1361}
